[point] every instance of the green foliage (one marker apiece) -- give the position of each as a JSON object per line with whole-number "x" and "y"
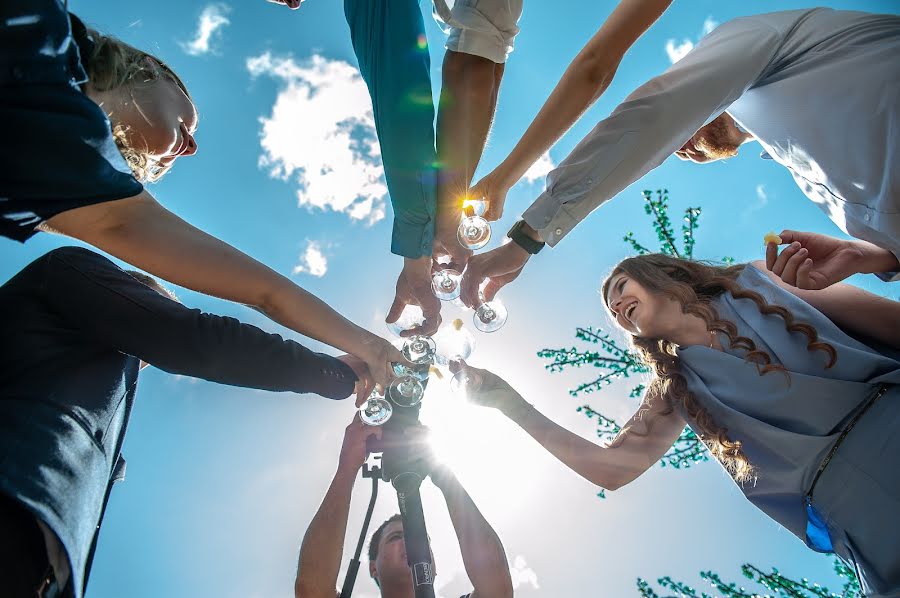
{"x": 616, "y": 362}
{"x": 772, "y": 581}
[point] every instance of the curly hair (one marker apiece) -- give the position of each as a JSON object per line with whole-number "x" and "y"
{"x": 694, "y": 284}
{"x": 114, "y": 64}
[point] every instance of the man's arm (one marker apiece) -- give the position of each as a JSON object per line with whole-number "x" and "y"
{"x": 141, "y": 232}
{"x": 110, "y": 306}
{"x": 320, "y": 554}
{"x": 652, "y": 123}
{"x": 469, "y": 92}
{"x": 482, "y": 551}
{"x": 585, "y": 80}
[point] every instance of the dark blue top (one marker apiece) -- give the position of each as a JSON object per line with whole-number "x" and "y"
{"x": 74, "y": 331}
{"x": 57, "y": 153}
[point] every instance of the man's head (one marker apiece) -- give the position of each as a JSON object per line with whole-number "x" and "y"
{"x": 387, "y": 556}
{"x": 717, "y": 140}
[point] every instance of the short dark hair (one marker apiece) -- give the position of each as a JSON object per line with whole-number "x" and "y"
{"x": 376, "y": 537}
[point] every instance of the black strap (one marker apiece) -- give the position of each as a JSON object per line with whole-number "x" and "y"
{"x": 82, "y": 39}
{"x": 878, "y": 393}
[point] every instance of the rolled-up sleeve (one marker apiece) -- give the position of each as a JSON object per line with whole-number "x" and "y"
{"x": 654, "y": 122}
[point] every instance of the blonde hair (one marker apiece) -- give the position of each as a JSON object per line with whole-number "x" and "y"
{"x": 694, "y": 285}
{"x": 114, "y": 64}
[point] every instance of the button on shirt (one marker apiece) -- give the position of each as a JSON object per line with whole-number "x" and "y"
{"x": 820, "y": 89}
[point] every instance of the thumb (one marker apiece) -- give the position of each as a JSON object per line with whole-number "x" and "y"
{"x": 789, "y": 236}
{"x": 396, "y": 309}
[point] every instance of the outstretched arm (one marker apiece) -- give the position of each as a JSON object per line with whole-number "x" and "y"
{"x": 140, "y": 231}
{"x": 482, "y": 551}
{"x": 643, "y": 441}
{"x": 585, "y": 80}
{"x": 323, "y": 543}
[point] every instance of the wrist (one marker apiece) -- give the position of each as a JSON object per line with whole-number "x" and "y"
{"x": 876, "y": 259}
{"x": 515, "y": 408}
{"x": 346, "y": 473}
{"x": 532, "y": 232}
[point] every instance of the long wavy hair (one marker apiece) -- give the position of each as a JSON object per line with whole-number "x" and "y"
{"x": 694, "y": 284}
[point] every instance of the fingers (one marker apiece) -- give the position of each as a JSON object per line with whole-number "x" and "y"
{"x": 771, "y": 255}
{"x": 786, "y": 254}
{"x": 396, "y": 309}
{"x": 494, "y": 209}
{"x": 471, "y": 283}
{"x": 803, "y": 275}
{"x": 457, "y": 365}
{"x": 789, "y": 236}
{"x": 789, "y": 273}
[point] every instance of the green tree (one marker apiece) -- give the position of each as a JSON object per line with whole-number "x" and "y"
{"x": 615, "y": 361}
{"x": 773, "y": 581}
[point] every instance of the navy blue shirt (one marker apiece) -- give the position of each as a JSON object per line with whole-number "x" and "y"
{"x": 74, "y": 331}
{"x": 58, "y": 152}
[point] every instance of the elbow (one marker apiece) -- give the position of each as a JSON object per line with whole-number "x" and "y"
{"x": 594, "y": 71}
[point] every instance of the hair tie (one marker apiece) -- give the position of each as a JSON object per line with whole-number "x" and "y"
{"x": 83, "y": 40}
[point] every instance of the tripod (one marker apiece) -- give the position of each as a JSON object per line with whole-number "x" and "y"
{"x": 406, "y": 468}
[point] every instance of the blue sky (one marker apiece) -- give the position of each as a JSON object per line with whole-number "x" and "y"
{"x": 222, "y": 482}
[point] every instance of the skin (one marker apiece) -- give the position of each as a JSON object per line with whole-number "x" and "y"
{"x": 469, "y": 93}
{"x": 717, "y": 140}
{"x": 159, "y": 117}
{"x": 320, "y": 554}
{"x": 650, "y": 432}
{"x": 139, "y": 231}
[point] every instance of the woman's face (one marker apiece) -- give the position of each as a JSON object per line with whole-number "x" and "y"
{"x": 642, "y": 312}
{"x": 159, "y": 119}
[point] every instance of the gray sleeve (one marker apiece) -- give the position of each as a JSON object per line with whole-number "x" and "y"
{"x": 653, "y": 122}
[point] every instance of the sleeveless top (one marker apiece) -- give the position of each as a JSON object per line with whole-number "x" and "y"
{"x": 786, "y": 424}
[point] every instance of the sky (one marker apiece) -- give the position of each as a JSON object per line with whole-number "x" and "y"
{"x": 222, "y": 482}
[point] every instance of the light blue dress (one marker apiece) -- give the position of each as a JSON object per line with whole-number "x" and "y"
{"x": 787, "y": 424}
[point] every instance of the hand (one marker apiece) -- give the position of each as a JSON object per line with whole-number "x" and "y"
{"x": 492, "y": 189}
{"x": 813, "y": 261}
{"x": 354, "y": 450}
{"x": 378, "y": 355}
{"x": 414, "y": 288}
{"x": 446, "y": 242}
{"x": 498, "y": 266}
{"x": 493, "y": 391}
{"x": 364, "y": 383}
{"x": 292, "y": 4}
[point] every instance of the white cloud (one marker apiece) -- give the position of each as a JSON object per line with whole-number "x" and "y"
{"x": 708, "y": 25}
{"x": 521, "y": 573}
{"x": 761, "y": 194}
{"x": 540, "y": 168}
{"x": 211, "y": 22}
{"x": 312, "y": 260}
{"x": 677, "y": 51}
{"x": 321, "y": 134}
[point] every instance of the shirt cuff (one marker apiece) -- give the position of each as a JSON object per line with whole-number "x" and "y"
{"x": 892, "y": 275}
{"x": 336, "y": 379}
{"x": 412, "y": 240}
{"x": 550, "y": 219}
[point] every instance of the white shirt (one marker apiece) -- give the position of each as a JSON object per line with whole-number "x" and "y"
{"x": 820, "y": 90}
{"x": 485, "y": 28}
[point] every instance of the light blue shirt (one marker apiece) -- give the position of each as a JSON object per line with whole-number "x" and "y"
{"x": 820, "y": 90}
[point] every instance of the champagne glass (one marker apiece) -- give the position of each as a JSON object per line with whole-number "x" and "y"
{"x": 490, "y": 316}
{"x": 410, "y": 318}
{"x": 406, "y": 391}
{"x": 376, "y": 410}
{"x": 445, "y": 284}
{"x": 419, "y": 349}
{"x": 474, "y": 231}
{"x": 465, "y": 383}
{"x": 453, "y": 342}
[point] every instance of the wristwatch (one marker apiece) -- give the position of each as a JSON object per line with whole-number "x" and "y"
{"x": 523, "y": 240}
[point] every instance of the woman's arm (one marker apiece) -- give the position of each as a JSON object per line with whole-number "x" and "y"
{"x": 643, "y": 441}
{"x": 585, "y": 80}
{"x": 140, "y": 231}
{"x": 853, "y": 309}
